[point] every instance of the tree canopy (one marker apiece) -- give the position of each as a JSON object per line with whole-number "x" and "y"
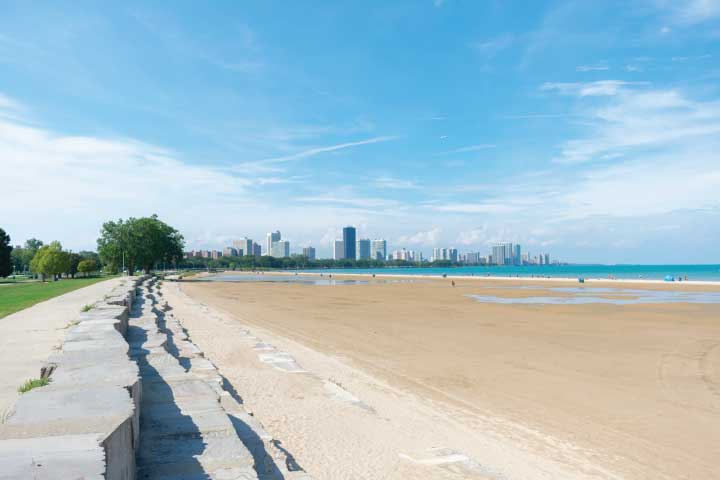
{"x": 6, "y": 263}
{"x": 51, "y": 260}
{"x": 141, "y": 242}
{"x": 88, "y": 266}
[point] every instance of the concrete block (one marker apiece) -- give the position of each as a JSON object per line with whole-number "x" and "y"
{"x": 53, "y": 458}
{"x": 56, "y": 411}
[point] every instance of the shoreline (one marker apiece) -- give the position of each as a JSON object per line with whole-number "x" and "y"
{"x": 640, "y": 281}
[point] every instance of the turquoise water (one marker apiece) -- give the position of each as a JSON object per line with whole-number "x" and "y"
{"x": 652, "y": 272}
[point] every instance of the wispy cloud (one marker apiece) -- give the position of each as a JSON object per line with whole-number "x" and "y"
{"x": 392, "y": 182}
{"x": 633, "y": 119}
{"x": 489, "y": 49}
{"x": 592, "y": 68}
{"x": 690, "y": 11}
{"x": 470, "y": 148}
{"x": 332, "y": 148}
{"x": 590, "y": 89}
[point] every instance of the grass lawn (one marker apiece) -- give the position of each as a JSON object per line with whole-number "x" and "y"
{"x": 15, "y": 297}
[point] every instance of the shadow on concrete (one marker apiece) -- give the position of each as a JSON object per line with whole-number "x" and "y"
{"x": 265, "y": 465}
{"x": 169, "y": 440}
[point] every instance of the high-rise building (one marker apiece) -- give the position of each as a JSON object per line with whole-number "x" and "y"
{"x": 309, "y": 252}
{"x": 518, "y": 255}
{"x": 339, "y": 250}
{"x": 271, "y": 238}
{"x": 243, "y": 246}
{"x": 215, "y": 254}
{"x": 498, "y": 254}
{"x": 349, "y": 242}
{"x": 452, "y": 254}
{"x": 547, "y": 259}
{"x": 280, "y": 249}
{"x": 378, "y": 249}
{"x": 256, "y": 249}
{"x": 362, "y": 252}
{"x": 230, "y": 252}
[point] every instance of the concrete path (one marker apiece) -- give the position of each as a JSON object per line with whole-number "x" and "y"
{"x": 30, "y": 336}
{"x": 185, "y": 432}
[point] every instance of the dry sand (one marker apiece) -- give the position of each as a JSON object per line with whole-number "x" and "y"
{"x": 522, "y": 391}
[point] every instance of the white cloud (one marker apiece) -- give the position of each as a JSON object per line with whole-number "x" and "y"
{"x": 470, "y": 148}
{"x": 393, "y": 183}
{"x": 634, "y": 119}
{"x": 600, "y": 88}
{"x": 426, "y": 238}
{"x": 592, "y": 68}
{"x": 489, "y": 49}
{"x": 316, "y": 151}
{"x": 690, "y": 11}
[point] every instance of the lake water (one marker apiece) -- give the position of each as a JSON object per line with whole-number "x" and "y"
{"x": 650, "y": 272}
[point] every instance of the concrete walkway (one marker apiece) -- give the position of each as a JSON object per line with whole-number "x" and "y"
{"x": 31, "y": 335}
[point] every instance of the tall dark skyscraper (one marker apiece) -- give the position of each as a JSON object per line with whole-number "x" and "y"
{"x": 349, "y": 242}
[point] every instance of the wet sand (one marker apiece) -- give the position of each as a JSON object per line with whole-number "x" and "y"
{"x": 634, "y": 389}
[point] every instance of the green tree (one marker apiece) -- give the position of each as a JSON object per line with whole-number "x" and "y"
{"x": 50, "y": 260}
{"x": 88, "y": 266}
{"x": 6, "y": 266}
{"x": 140, "y": 243}
{"x": 28, "y": 252}
{"x": 75, "y": 260}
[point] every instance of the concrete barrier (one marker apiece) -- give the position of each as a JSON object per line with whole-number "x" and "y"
{"x": 85, "y": 424}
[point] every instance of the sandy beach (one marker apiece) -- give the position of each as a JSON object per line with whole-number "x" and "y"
{"x": 424, "y": 372}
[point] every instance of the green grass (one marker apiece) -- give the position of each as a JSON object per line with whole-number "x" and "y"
{"x": 19, "y": 296}
{"x": 34, "y": 383}
{"x": 86, "y": 308}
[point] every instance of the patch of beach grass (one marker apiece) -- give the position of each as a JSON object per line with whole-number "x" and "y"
{"x": 87, "y": 308}
{"x": 33, "y": 383}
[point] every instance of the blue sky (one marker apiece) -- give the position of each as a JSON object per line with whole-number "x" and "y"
{"x": 587, "y": 129}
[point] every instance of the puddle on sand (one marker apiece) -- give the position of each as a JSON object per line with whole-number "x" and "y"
{"x": 613, "y": 296}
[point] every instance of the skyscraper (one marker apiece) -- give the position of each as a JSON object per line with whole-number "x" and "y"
{"x": 498, "y": 254}
{"x": 272, "y": 237}
{"x": 378, "y": 249}
{"x": 280, "y": 249}
{"x": 244, "y": 246}
{"x": 256, "y": 249}
{"x": 363, "y": 249}
{"x": 309, "y": 252}
{"x": 518, "y": 255}
{"x": 349, "y": 242}
{"x": 338, "y": 250}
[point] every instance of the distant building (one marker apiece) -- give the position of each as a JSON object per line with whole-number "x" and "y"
{"x": 309, "y": 252}
{"x": 499, "y": 254}
{"x": 517, "y": 260}
{"x": 244, "y": 246}
{"x": 272, "y": 237}
{"x": 230, "y": 252}
{"x": 547, "y": 259}
{"x": 471, "y": 258}
{"x": 362, "y": 251}
{"x": 452, "y": 254}
{"x": 256, "y": 249}
{"x": 280, "y": 249}
{"x": 339, "y": 250}
{"x": 215, "y": 254}
{"x": 349, "y": 243}
{"x": 378, "y": 249}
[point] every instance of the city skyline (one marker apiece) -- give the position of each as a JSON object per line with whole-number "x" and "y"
{"x": 436, "y": 123}
{"x": 505, "y": 253}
